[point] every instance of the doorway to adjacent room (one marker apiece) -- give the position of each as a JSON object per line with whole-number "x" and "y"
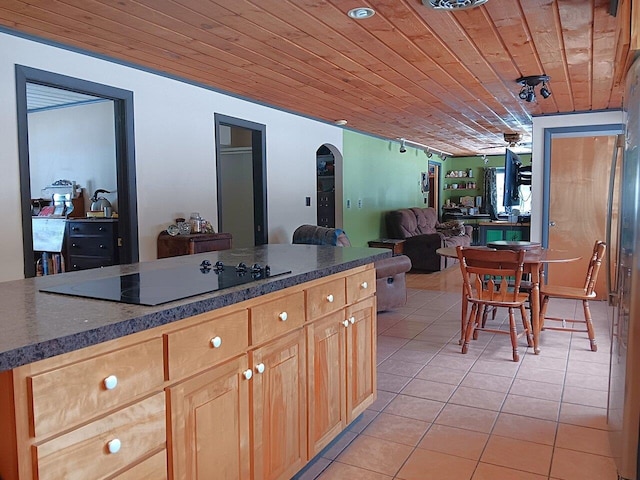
{"x": 241, "y": 180}
{"x": 124, "y": 161}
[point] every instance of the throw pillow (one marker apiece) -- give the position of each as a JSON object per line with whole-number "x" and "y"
{"x": 452, "y": 228}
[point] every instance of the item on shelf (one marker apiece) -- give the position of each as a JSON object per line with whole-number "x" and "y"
{"x": 196, "y": 222}
{"x": 62, "y": 187}
{"x": 467, "y": 201}
{"x": 207, "y": 227}
{"x": 184, "y": 228}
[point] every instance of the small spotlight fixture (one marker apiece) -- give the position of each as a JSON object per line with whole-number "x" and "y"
{"x": 544, "y": 91}
{"x": 428, "y": 153}
{"x": 340, "y": 122}
{"x": 528, "y": 93}
{"x": 403, "y": 149}
{"x": 361, "y": 13}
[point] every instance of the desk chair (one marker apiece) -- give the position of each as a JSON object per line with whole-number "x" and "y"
{"x": 572, "y": 293}
{"x": 485, "y": 275}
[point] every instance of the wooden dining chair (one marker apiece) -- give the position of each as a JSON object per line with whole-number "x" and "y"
{"x": 584, "y": 294}
{"x": 486, "y": 276}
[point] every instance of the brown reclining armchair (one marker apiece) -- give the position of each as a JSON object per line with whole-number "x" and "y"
{"x": 423, "y": 235}
{"x": 390, "y": 272}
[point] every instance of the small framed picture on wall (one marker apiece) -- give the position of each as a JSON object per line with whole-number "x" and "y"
{"x": 424, "y": 182}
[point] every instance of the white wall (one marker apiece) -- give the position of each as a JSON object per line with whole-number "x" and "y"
{"x": 174, "y": 148}
{"x": 236, "y": 165}
{"x": 76, "y": 143}
{"x": 540, "y": 124}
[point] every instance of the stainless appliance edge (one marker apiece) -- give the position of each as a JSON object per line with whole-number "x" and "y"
{"x": 623, "y": 412}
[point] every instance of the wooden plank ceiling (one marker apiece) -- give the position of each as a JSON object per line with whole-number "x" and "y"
{"x": 441, "y": 79}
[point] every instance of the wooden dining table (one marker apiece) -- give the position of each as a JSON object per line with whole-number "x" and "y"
{"x": 534, "y": 262}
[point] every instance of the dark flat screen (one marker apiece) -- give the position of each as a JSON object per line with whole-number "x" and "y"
{"x": 160, "y": 286}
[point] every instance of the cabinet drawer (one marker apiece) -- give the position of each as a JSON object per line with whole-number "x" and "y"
{"x": 154, "y": 468}
{"x": 277, "y": 317}
{"x": 195, "y": 348}
{"x": 211, "y": 245}
{"x": 103, "y": 229}
{"x": 100, "y": 247}
{"x": 325, "y": 298}
{"x": 361, "y": 285}
{"x": 71, "y": 394}
{"x": 76, "y": 262}
{"x": 105, "y": 446}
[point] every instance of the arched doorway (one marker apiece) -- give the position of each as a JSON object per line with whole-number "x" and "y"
{"x": 326, "y": 201}
{"x": 329, "y": 186}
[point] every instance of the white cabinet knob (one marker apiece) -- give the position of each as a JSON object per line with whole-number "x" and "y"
{"x": 352, "y": 320}
{"x": 364, "y": 285}
{"x": 330, "y": 298}
{"x": 216, "y": 342}
{"x": 110, "y": 382}
{"x": 260, "y": 368}
{"x": 346, "y": 323}
{"x": 248, "y": 374}
{"x": 283, "y": 316}
{"x": 114, "y": 445}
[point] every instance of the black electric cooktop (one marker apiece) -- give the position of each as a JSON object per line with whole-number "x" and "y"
{"x": 166, "y": 285}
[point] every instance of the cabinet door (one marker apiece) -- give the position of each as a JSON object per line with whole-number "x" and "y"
{"x": 361, "y": 357}
{"x": 210, "y": 424}
{"x": 279, "y": 407}
{"x": 326, "y": 380}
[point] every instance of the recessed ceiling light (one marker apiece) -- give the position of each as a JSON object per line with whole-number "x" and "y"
{"x": 361, "y": 13}
{"x": 452, "y": 4}
{"x": 340, "y": 122}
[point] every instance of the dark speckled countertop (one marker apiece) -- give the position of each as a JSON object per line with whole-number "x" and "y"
{"x": 35, "y": 325}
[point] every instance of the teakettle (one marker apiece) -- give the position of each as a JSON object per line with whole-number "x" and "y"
{"x": 98, "y": 203}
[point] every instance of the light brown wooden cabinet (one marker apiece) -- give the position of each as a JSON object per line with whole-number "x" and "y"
{"x": 210, "y": 424}
{"x": 326, "y": 343}
{"x": 361, "y": 357}
{"x": 92, "y": 413}
{"x": 250, "y": 391}
{"x": 342, "y": 360}
{"x": 279, "y": 407}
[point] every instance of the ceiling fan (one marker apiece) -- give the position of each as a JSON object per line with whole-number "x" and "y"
{"x": 511, "y": 140}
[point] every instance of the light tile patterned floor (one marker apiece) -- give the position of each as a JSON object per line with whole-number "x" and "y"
{"x": 446, "y": 416}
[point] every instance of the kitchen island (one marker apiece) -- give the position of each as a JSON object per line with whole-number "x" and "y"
{"x": 247, "y": 382}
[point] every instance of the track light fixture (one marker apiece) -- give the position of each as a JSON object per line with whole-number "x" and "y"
{"x": 527, "y": 92}
{"x": 428, "y": 151}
